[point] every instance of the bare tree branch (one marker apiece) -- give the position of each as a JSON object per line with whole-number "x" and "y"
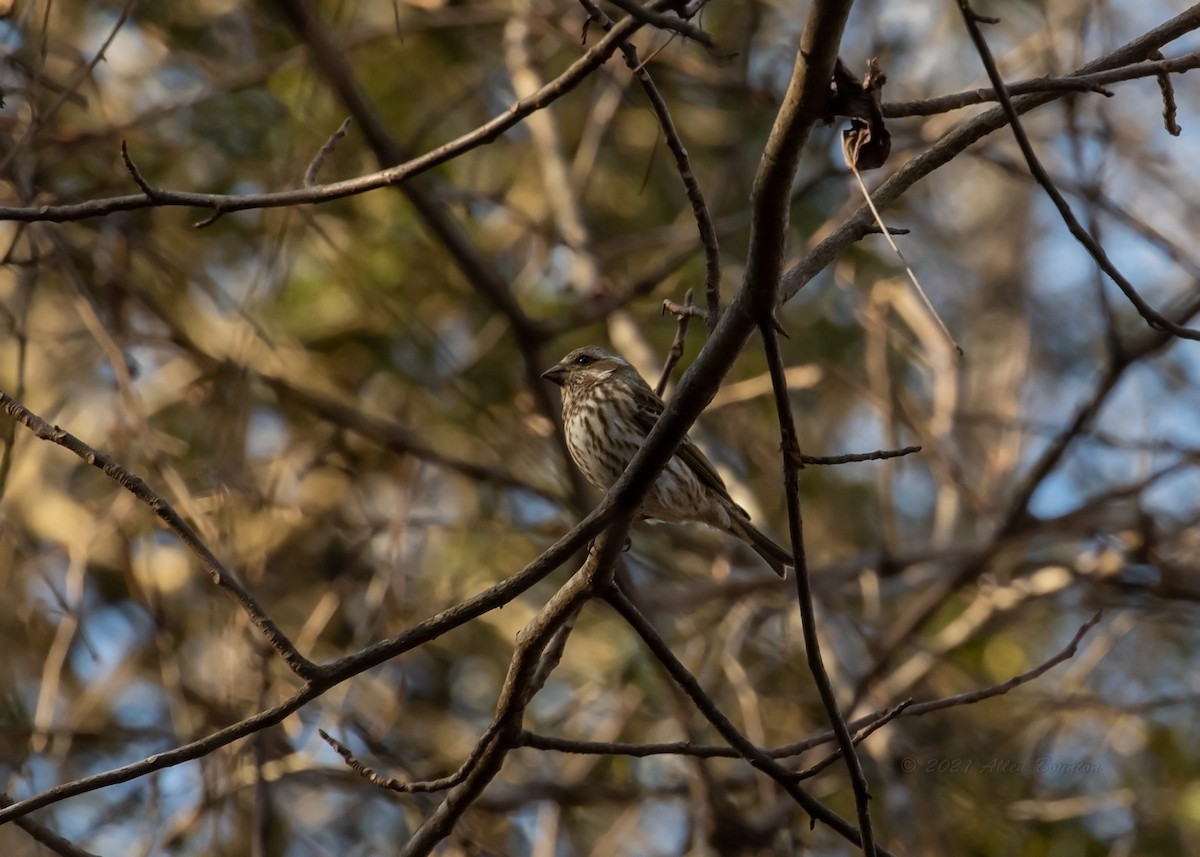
{"x": 504, "y": 732}
{"x": 854, "y": 228}
{"x": 868, "y": 721}
{"x": 790, "y": 448}
{"x": 1063, "y": 85}
{"x": 1156, "y": 319}
{"x": 396, "y": 175}
{"x": 756, "y": 757}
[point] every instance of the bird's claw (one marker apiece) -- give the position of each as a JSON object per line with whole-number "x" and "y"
{"x": 624, "y": 547}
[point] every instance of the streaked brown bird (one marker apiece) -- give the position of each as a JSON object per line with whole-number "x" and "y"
{"x": 608, "y": 410}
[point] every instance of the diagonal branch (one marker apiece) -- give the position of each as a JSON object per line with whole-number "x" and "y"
{"x": 137, "y": 486}
{"x": 1059, "y": 85}
{"x": 329, "y": 675}
{"x": 504, "y": 733}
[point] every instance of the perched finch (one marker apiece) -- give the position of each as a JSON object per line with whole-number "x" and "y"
{"x": 608, "y": 410}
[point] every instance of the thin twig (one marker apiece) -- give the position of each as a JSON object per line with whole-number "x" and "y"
{"x": 310, "y": 175}
{"x": 888, "y": 716}
{"x": 1094, "y": 82}
{"x": 391, "y": 783}
{"x": 853, "y": 457}
{"x": 148, "y": 189}
{"x": 552, "y": 656}
{"x": 219, "y": 211}
{"x": 1170, "y": 110}
{"x": 684, "y": 314}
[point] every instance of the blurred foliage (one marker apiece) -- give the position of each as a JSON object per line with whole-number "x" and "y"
{"x": 199, "y": 359}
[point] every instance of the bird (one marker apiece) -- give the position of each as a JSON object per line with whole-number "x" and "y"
{"x": 608, "y": 410}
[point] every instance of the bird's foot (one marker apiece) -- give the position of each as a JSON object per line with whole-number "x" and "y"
{"x": 624, "y": 547}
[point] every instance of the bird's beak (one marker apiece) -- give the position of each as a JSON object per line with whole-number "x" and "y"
{"x": 556, "y": 373}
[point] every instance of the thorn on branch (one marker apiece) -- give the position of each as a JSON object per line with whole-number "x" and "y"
{"x": 310, "y": 175}
{"x": 874, "y": 229}
{"x": 218, "y": 212}
{"x": 1089, "y": 86}
{"x": 980, "y": 19}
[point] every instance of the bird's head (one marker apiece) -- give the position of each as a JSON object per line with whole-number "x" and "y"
{"x": 585, "y": 366}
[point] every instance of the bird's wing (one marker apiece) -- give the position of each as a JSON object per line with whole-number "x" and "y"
{"x": 650, "y": 408}
{"x": 698, "y": 461}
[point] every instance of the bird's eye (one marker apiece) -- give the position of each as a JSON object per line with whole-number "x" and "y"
{"x": 583, "y": 360}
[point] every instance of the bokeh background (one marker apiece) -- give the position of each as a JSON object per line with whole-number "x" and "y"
{"x": 336, "y": 400}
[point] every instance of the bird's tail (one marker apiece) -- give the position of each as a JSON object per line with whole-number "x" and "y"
{"x": 774, "y": 555}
